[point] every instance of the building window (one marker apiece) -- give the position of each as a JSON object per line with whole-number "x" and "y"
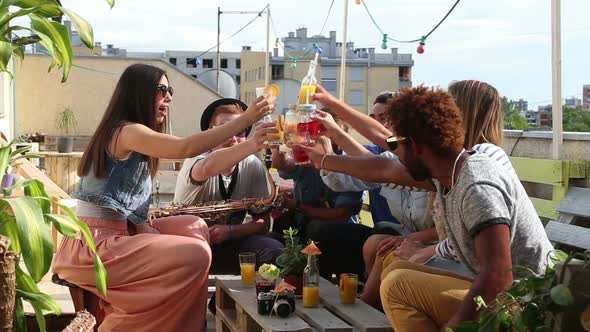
{"x": 277, "y": 72}
{"x": 238, "y": 78}
{"x": 223, "y": 63}
{"x": 191, "y": 63}
{"x": 356, "y": 97}
{"x": 207, "y": 63}
{"x": 329, "y": 72}
{"x": 173, "y": 61}
{"x": 238, "y": 63}
{"x": 330, "y": 85}
{"x": 404, "y": 74}
{"x": 357, "y": 74}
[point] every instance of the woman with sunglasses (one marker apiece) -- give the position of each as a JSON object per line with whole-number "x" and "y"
{"x": 157, "y": 273}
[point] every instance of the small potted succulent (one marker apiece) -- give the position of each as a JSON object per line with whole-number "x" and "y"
{"x": 66, "y": 123}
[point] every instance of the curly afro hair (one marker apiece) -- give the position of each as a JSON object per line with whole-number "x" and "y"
{"x": 428, "y": 116}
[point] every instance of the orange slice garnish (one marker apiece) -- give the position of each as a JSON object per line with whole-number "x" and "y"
{"x": 311, "y": 249}
{"x": 274, "y": 89}
{"x": 280, "y": 122}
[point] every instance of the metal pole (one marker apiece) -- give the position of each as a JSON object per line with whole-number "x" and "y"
{"x": 267, "y": 55}
{"x": 556, "y": 78}
{"x": 343, "y": 52}
{"x": 218, "y": 53}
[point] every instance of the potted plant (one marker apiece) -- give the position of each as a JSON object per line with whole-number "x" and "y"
{"x": 292, "y": 261}
{"x": 66, "y": 123}
{"x": 26, "y": 220}
{"x": 535, "y": 302}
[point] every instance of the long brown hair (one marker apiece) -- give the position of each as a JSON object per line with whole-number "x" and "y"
{"x": 132, "y": 102}
{"x": 481, "y": 106}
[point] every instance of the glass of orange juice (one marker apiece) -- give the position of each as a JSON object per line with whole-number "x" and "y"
{"x": 348, "y": 287}
{"x": 247, "y": 267}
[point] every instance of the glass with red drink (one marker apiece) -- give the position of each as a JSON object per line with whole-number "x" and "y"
{"x": 263, "y": 285}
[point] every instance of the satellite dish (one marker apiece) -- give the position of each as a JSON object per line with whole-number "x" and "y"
{"x": 228, "y": 86}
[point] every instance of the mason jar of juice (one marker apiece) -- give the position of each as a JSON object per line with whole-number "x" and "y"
{"x": 311, "y": 283}
{"x": 307, "y": 127}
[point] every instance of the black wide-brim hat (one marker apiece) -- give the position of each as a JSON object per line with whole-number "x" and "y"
{"x": 208, "y": 112}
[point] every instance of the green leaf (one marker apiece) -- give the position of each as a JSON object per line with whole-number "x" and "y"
{"x": 49, "y": 8}
{"x": 5, "y": 150}
{"x": 40, "y": 300}
{"x": 24, "y": 282}
{"x": 46, "y": 41}
{"x": 36, "y": 189}
{"x": 20, "y": 150}
{"x": 34, "y": 235}
{"x": 83, "y": 27}
{"x": 100, "y": 271}
{"x": 64, "y": 224}
{"x": 8, "y": 228}
{"x": 20, "y": 321}
{"x": 18, "y": 183}
{"x": 557, "y": 256}
{"x": 101, "y": 275}
{"x": 111, "y": 3}
{"x": 60, "y": 38}
{"x": 5, "y": 56}
{"x": 40, "y": 319}
{"x": 466, "y": 327}
{"x": 561, "y": 295}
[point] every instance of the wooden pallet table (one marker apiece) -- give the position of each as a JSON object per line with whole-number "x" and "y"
{"x": 237, "y": 312}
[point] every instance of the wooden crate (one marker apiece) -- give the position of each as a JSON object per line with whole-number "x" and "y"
{"x": 62, "y": 168}
{"x": 237, "y": 312}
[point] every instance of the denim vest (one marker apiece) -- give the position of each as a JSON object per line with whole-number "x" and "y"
{"x": 125, "y": 188}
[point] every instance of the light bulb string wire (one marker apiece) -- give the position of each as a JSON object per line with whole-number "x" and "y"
{"x": 421, "y": 39}
{"x": 310, "y": 49}
{"x": 259, "y": 15}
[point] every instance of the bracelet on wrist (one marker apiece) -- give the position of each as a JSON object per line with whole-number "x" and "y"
{"x": 323, "y": 160}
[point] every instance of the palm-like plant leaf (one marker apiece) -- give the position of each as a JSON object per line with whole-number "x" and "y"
{"x": 34, "y": 235}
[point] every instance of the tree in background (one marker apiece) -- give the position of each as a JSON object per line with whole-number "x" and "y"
{"x": 576, "y": 119}
{"x": 512, "y": 118}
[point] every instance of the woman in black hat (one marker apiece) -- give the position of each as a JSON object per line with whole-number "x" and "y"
{"x": 157, "y": 277}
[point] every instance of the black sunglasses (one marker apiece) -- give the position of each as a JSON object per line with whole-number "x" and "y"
{"x": 393, "y": 140}
{"x": 164, "y": 90}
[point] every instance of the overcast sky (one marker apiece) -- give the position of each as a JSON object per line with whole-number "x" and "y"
{"x": 506, "y": 43}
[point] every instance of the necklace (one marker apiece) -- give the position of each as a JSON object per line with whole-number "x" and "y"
{"x": 453, "y": 175}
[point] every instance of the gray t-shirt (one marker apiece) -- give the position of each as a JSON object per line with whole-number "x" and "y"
{"x": 252, "y": 182}
{"x": 486, "y": 194}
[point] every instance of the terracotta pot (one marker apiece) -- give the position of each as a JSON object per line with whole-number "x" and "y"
{"x": 296, "y": 281}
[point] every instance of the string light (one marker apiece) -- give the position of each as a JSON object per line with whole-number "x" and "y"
{"x": 422, "y": 40}
{"x": 277, "y": 43}
{"x": 358, "y": 2}
{"x": 293, "y": 62}
{"x": 420, "y": 48}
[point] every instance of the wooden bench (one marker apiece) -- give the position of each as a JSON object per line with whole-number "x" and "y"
{"x": 555, "y": 173}
{"x": 574, "y": 206}
{"x": 237, "y": 312}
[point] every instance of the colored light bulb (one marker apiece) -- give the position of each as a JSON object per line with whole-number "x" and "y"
{"x": 420, "y": 48}
{"x": 277, "y": 43}
{"x": 384, "y": 43}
